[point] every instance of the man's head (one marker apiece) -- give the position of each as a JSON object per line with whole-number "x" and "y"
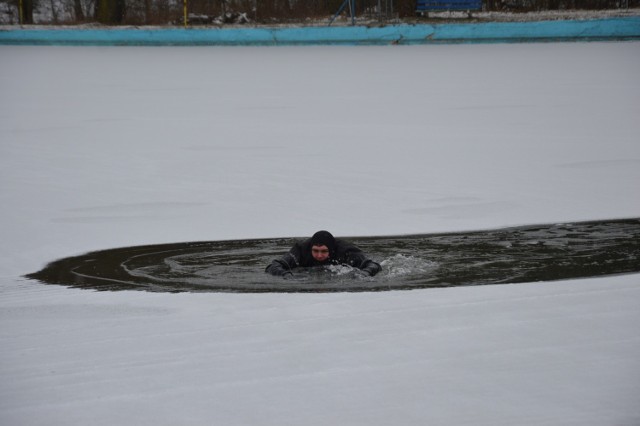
{"x": 323, "y": 246}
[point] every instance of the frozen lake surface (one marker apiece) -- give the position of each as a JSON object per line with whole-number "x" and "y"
{"x": 108, "y": 148}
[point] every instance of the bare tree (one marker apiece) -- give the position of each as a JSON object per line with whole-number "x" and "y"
{"x": 25, "y": 10}
{"x": 110, "y": 11}
{"x": 77, "y": 10}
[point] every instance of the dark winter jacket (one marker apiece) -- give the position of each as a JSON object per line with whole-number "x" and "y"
{"x": 343, "y": 253}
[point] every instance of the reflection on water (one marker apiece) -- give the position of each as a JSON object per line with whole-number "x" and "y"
{"x": 512, "y": 255}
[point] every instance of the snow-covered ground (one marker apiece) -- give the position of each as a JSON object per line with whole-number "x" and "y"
{"x": 60, "y": 13}
{"x": 109, "y": 147}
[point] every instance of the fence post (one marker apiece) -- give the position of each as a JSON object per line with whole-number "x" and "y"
{"x": 186, "y": 17}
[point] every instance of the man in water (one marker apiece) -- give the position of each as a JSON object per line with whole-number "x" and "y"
{"x": 323, "y": 249}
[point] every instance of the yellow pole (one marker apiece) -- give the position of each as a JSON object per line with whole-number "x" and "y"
{"x": 186, "y": 18}
{"x": 20, "y": 15}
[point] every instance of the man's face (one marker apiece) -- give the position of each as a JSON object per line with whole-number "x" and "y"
{"x": 320, "y": 253}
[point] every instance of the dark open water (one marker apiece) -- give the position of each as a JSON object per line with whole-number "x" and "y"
{"x": 511, "y": 255}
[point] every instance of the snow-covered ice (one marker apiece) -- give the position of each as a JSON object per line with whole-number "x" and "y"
{"x": 109, "y": 147}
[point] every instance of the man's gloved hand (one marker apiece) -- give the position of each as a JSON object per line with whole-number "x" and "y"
{"x": 370, "y": 270}
{"x": 364, "y": 273}
{"x": 287, "y": 275}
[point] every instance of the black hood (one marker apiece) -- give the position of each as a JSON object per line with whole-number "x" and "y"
{"x": 324, "y": 238}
